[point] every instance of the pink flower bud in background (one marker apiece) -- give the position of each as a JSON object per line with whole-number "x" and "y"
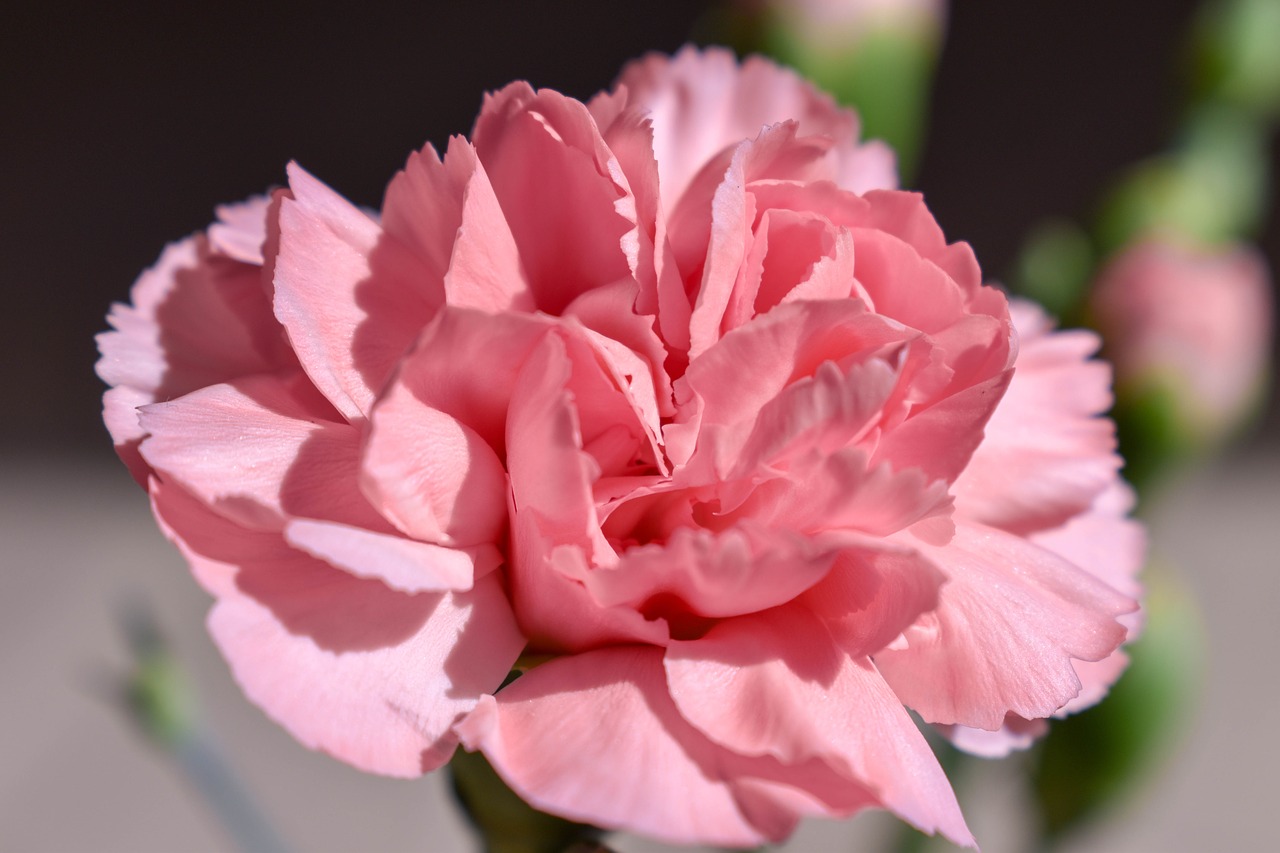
{"x": 1194, "y": 323}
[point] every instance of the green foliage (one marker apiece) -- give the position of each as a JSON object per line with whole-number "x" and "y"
{"x": 1055, "y": 267}
{"x": 1235, "y": 56}
{"x": 1211, "y": 187}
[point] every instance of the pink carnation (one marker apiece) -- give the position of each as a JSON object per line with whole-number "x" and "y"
{"x": 659, "y": 401}
{"x": 1193, "y": 322}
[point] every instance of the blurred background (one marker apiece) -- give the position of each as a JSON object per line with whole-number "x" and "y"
{"x": 123, "y": 126}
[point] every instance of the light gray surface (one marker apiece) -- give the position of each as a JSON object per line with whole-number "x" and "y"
{"x": 77, "y": 539}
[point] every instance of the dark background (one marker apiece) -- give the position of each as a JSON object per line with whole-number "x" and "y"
{"x": 122, "y": 126}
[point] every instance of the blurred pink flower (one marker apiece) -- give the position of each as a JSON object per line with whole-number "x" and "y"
{"x": 660, "y": 401}
{"x": 1192, "y": 322}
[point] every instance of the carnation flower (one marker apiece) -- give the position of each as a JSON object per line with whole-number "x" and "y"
{"x": 671, "y": 404}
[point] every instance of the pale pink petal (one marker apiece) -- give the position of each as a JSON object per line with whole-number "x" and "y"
{"x": 843, "y": 491}
{"x": 213, "y": 547}
{"x": 628, "y": 134}
{"x": 120, "y": 413}
{"x": 447, "y": 214}
{"x": 241, "y": 229}
{"x": 161, "y": 343}
{"x": 562, "y": 193}
{"x": 374, "y": 677}
{"x": 940, "y": 439}
{"x": 649, "y": 771}
{"x": 875, "y": 591}
{"x": 351, "y": 297}
{"x": 1108, "y": 544}
{"x": 433, "y": 477}
{"x": 904, "y": 215}
{"x": 827, "y": 411}
{"x": 710, "y": 231}
{"x": 1104, "y": 540}
{"x": 1016, "y": 734}
{"x": 400, "y": 563}
{"x": 466, "y": 364}
{"x": 1047, "y": 452}
{"x": 767, "y": 684}
{"x": 1011, "y": 620}
{"x": 260, "y": 450}
{"x": 633, "y": 352}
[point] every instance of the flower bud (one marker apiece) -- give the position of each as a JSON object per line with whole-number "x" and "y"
{"x": 1188, "y": 329}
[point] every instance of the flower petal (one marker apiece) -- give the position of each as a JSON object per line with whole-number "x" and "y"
{"x": 400, "y": 563}
{"x": 769, "y": 683}
{"x": 1047, "y": 452}
{"x": 260, "y": 450}
{"x": 1011, "y": 620}
{"x": 562, "y": 193}
{"x": 351, "y": 297}
{"x": 435, "y": 478}
{"x": 447, "y": 214}
{"x": 595, "y": 737}
{"x": 372, "y": 676}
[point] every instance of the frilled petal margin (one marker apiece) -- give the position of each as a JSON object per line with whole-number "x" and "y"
{"x": 1011, "y": 620}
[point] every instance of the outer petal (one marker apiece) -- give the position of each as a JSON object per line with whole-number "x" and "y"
{"x": 771, "y": 683}
{"x": 372, "y": 676}
{"x": 1047, "y": 453}
{"x": 595, "y": 737}
{"x": 259, "y": 450}
{"x": 241, "y": 229}
{"x": 162, "y": 346}
{"x": 1010, "y": 622}
{"x": 351, "y": 297}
